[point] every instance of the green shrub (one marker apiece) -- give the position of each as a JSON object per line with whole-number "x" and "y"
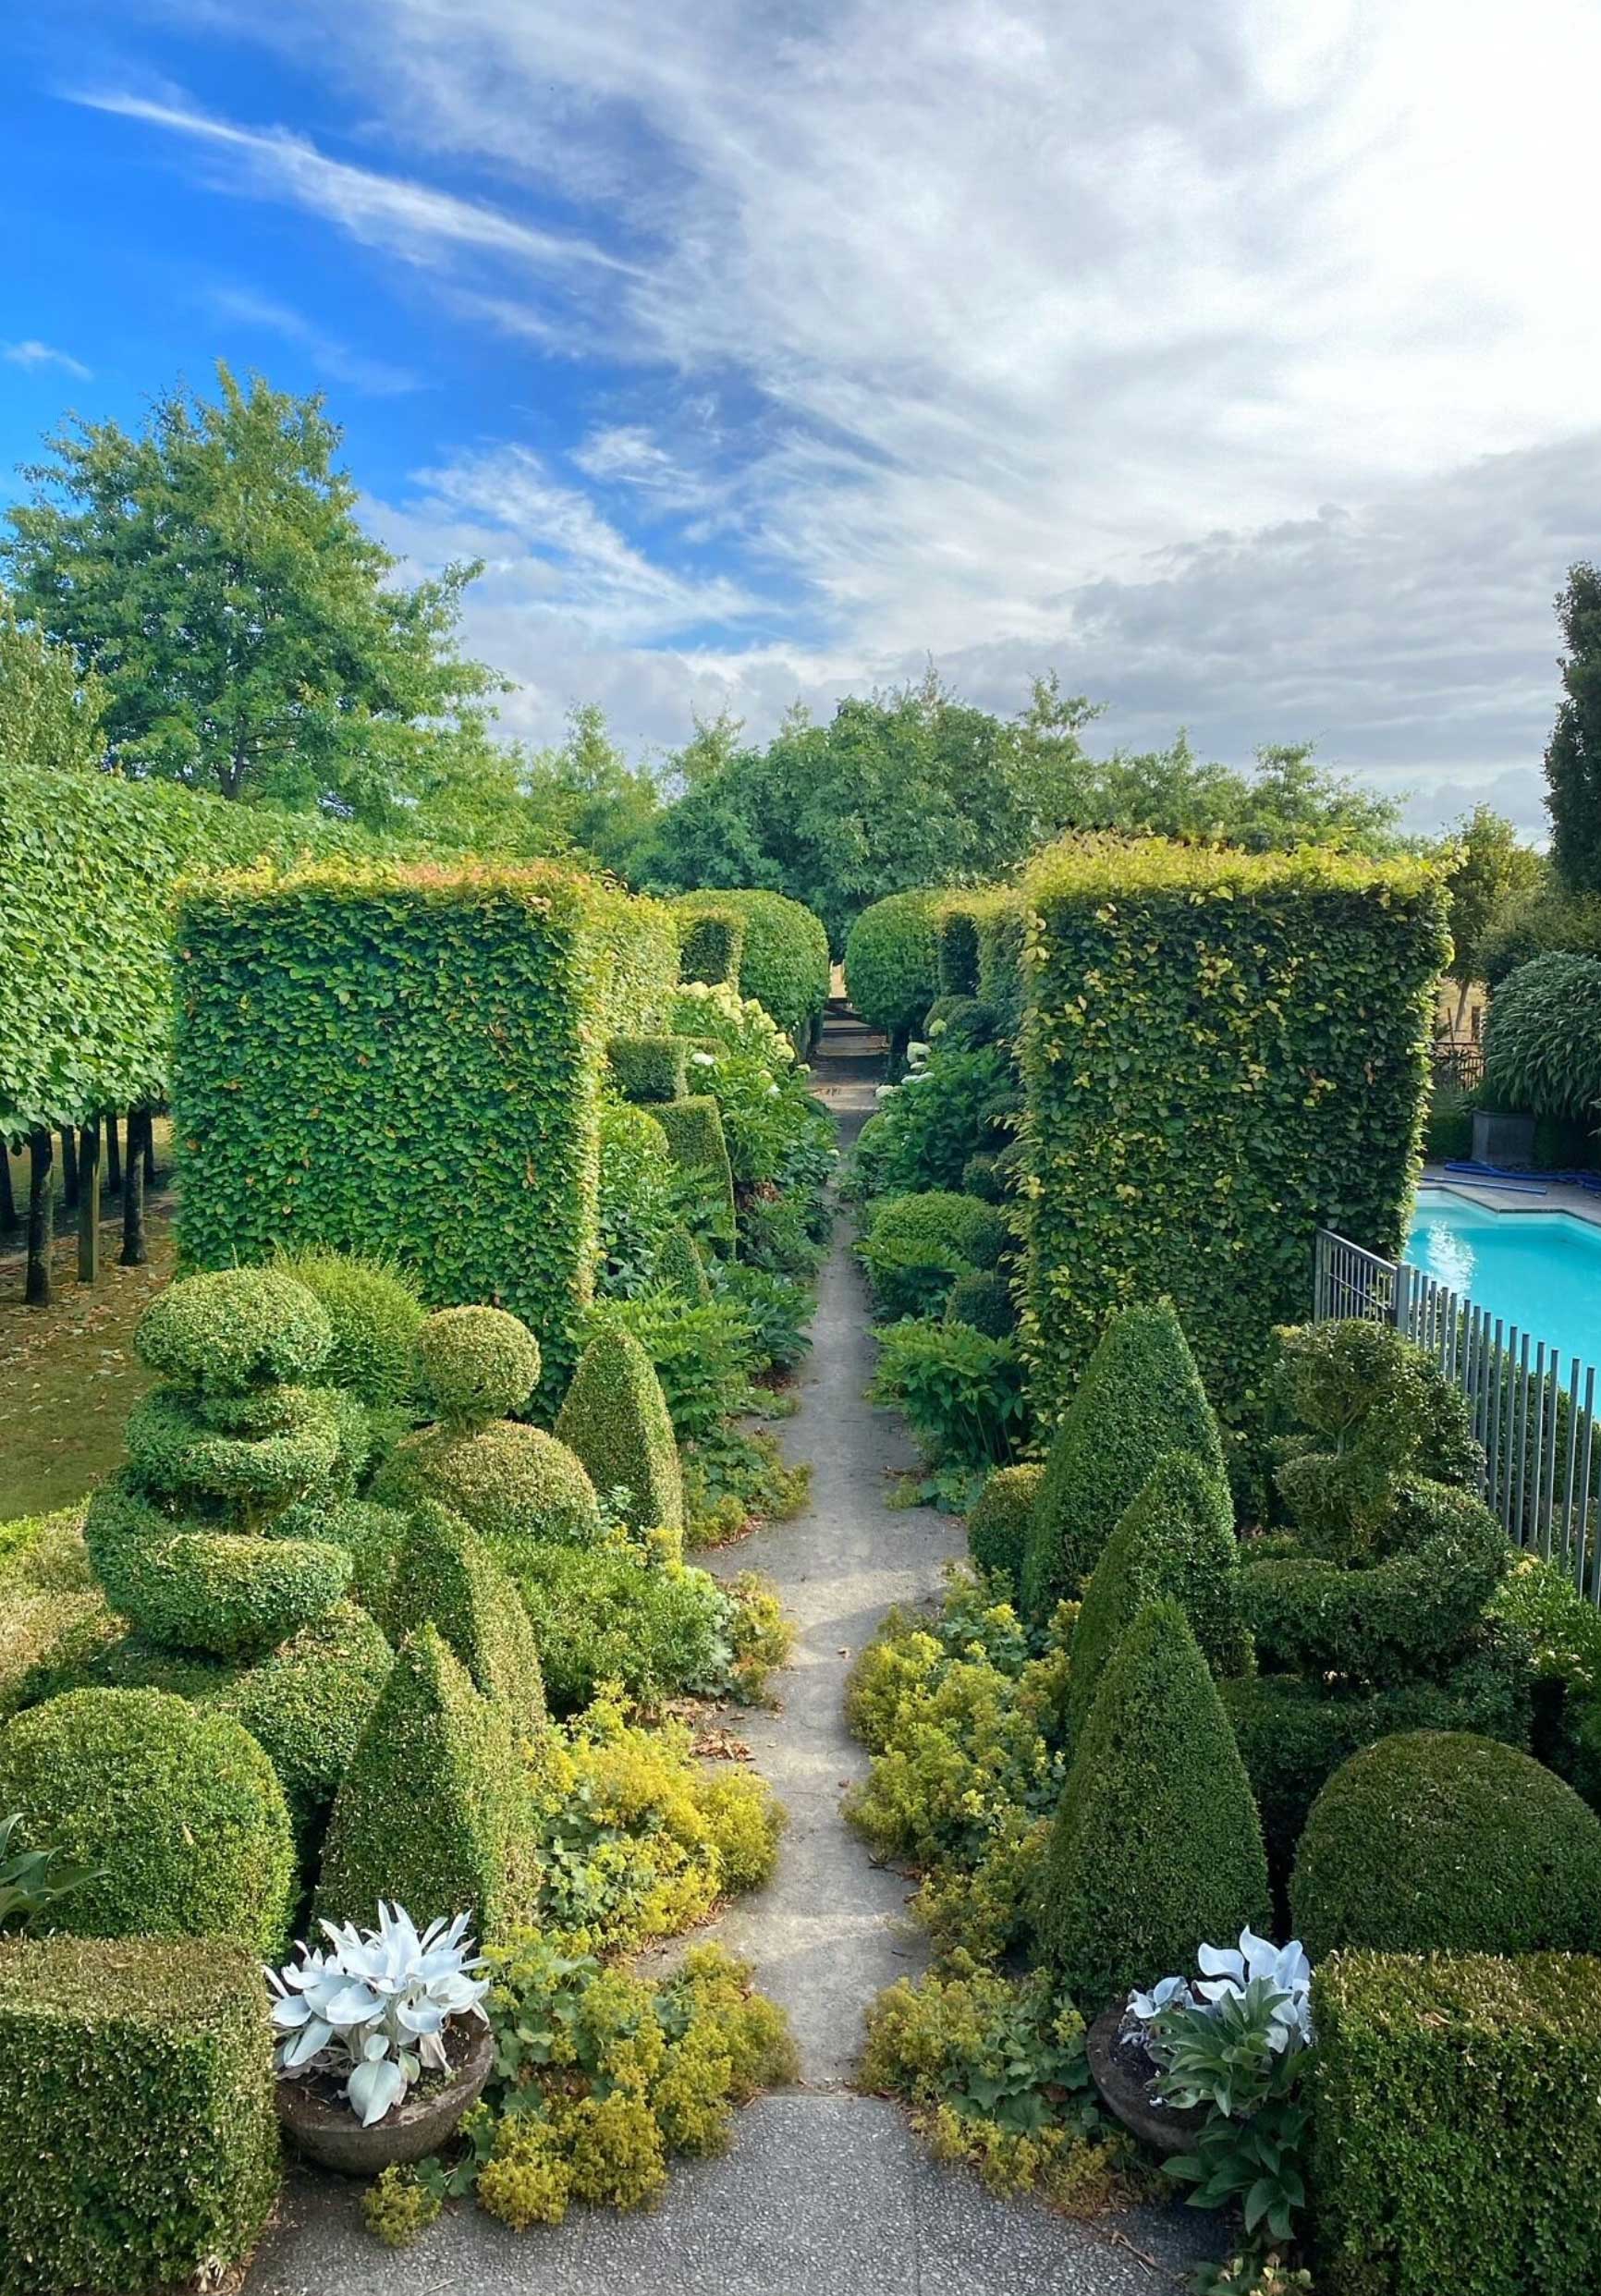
{"x": 1543, "y": 1043}
{"x": 179, "y": 1808}
{"x": 374, "y": 1312}
{"x": 1448, "y": 1125}
{"x": 956, "y": 944}
{"x": 1441, "y": 1842}
{"x": 679, "y": 1264}
{"x": 998, "y": 1526}
{"x": 446, "y": 1577}
{"x": 1175, "y": 1540}
{"x": 371, "y": 1535}
{"x": 638, "y": 1197}
{"x": 1140, "y": 1397}
{"x": 608, "y": 1615}
{"x": 781, "y": 1234}
{"x": 241, "y": 1328}
{"x": 475, "y": 1364}
{"x": 1411, "y": 1612}
{"x": 696, "y": 1143}
{"x": 956, "y": 1022}
{"x": 699, "y": 1353}
{"x": 960, "y": 1391}
{"x": 352, "y": 1043}
{"x": 139, "y": 2144}
{"x": 517, "y": 1488}
{"x": 915, "y": 1247}
{"x": 892, "y": 964}
{"x": 1293, "y": 1735}
{"x": 985, "y": 1301}
{"x": 784, "y": 962}
{"x": 711, "y": 944}
{"x": 1156, "y": 1847}
{"x": 258, "y": 1453}
{"x": 1543, "y": 919}
{"x": 615, "y": 1420}
{"x": 985, "y": 1176}
{"x": 1456, "y": 2125}
{"x": 432, "y": 1813}
{"x": 928, "y": 1130}
{"x": 1001, "y": 919}
{"x": 649, "y": 1067}
{"x": 1197, "y": 1118}
{"x": 307, "y": 1704}
{"x": 227, "y": 1593}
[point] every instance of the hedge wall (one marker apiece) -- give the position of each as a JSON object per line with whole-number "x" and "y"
{"x": 892, "y": 962}
{"x": 784, "y": 962}
{"x": 88, "y": 863}
{"x": 403, "y": 1060}
{"x": 1001, "y": 920}
{"x": 1223, "y": 1052}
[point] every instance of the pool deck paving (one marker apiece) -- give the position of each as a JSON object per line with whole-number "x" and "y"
{"x": 825, "y": 2192}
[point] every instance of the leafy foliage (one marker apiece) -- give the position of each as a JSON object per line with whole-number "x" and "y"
{"x": 960, "y": 1391}
{"x": 1249, "y": 1067}
{"x": 373, "y": 1311}
{"x": 51, "y": 711}
{"x": 914, "y": 1247}
{"x": 1543, "y": 1045}
{"x": 1000, "y": 1520}
{"x": 892, "y": 964}
{"x": 784, "y": 960}
{"x": 614, "y": 1419}
{"x": 926, "y": 1133}
{"x": 1573, "y": 754}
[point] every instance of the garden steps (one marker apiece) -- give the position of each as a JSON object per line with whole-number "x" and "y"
{"x": 824, "y": 2190}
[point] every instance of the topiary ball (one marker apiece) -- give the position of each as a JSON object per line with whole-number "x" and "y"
{"x": 475, "y": 1364}
{"x": 1442, "y": 1841}
{"x": 239, "y": 1328}
{"x": 177, "y": 1809}
{"x": 375, "y": 1314}
{"x": 985, "y": 1301}
{"x": 514, "y": 1485}
{"x": 998, "y": 1525}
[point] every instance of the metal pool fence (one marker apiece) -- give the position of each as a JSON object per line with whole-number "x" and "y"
{"x": 1533, "y": 1409}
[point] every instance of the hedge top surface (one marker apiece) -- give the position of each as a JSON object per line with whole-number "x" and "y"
{"x": 1101, "y": 868}
{"x": 1495, "y": 1998}
{"x": 139, "y": 1978}
{"x": 239, "y": 1329}
{"x": 476, "y": 1364}
{"x": 1442, "y": 1841}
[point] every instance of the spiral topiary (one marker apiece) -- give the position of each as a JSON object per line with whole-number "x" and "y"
{"x": 475, "y": 1364}
{"x": 234, "y": 1331}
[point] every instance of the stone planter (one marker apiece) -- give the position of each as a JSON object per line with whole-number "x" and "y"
{"x": 1121, "y": 2070}
{"x": 328, "y": 2132}
{"x": 1505, "y": 1140}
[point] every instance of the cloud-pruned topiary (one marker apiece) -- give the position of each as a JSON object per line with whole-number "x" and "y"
{"x": 475, "y": 1364}
{"x": 699, "y": 1147}
{"x": 517, "y": 1487}
{"x": 1140, "y": 1397}
{"x": 997, "y": 1524}
{"x": 1175, "y": 1539}
{"x": 647, "y": 1069}
{"x": 1543, "y": 1042}
{"x": 446, "y": 1576}
{"x": 139, "y": 2144}
{"x": 614, "y": 1419}
{"x": 176, "y": 1808}
{"x": 1442, "y": 1841}
{"x": 234, "y": 1331}
{"x": 432, "y": 1814}
{"x": 1157, "y": 1848}
{"x": 374, "y": 1310}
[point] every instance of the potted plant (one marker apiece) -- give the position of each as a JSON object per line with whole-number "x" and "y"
{"x": 384, "y": 2042}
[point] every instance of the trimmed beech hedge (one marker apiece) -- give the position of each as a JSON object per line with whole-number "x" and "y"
{"x": 955, "y": 946}
{"x": 139, "y": 2144}
{"x": 1456, "y": 2125}
{"x": 404, "y": 1059}
{"x": 1001, "y": 920}
{"x": 646, "y": 1069}
{"x": 784, "y": 963}
{"x": 712, "y": 943}
{"x": 1223, "y": 1053}
{"x": 892, "y": 964}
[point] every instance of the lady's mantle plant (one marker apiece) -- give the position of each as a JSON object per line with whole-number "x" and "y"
{"x": 378, "y": 2003}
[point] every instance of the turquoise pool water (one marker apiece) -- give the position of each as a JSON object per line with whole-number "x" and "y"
{"x": 1540, "y": 1270}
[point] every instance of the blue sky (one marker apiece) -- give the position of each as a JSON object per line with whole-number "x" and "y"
{"x": 1236, "y": 361}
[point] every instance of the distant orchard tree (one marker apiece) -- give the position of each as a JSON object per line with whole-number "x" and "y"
{"x": 251, "y": 640}
{"x": 1573, "y": 756}
{"x": 50, "y": 711}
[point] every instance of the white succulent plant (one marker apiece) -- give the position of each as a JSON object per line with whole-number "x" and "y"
{"x": 1281, "y": 1974}
{"x": 378, "y": 2003}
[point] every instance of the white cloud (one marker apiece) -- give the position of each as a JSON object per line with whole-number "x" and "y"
{"x": 36, "y": 354}
{"x": 378, "y": 377}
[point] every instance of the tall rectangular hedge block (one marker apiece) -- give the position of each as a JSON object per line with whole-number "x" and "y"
{"x": 1456, "y": 2125}
{"x": 139, "y": 2145}
{"x": 401, "y": 1061}
{"x": 695, "y": 1135}
{"x": 1222, "y": 1053}
{"x": 713, "y": 940}
{"x": 1000, "y": 919}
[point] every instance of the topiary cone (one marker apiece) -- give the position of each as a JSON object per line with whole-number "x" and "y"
{"x": 614, "y": 1419}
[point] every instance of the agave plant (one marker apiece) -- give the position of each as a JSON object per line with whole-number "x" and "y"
{"x": 379, "y": 2003}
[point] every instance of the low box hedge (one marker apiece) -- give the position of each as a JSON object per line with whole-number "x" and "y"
{"x": 1456, "y": 2125}
{"x": 139, "y": 2145}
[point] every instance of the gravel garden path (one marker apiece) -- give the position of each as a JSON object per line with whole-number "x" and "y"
{"x": 825, "y": 2192}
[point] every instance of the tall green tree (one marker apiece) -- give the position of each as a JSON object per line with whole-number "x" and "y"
{"x": 1490, "y": 869}
{"x": 51, "y": 713}
{"x": 585, "y": 795}
{"x": 1573, "y": 755}
{"x": 253, "y": 642}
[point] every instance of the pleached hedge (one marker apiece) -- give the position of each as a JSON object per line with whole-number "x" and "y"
{"x": 88, "y": 866}
{"x": 405, "y": 1060}
{"x": 1222, "y": 1052}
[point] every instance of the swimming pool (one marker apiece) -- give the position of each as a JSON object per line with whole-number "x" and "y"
{"x": 1540, "y": 1270}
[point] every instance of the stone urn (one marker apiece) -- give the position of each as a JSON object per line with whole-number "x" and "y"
{"x": 1122, "y": 2070}
{"x": 326, "y": 2131}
